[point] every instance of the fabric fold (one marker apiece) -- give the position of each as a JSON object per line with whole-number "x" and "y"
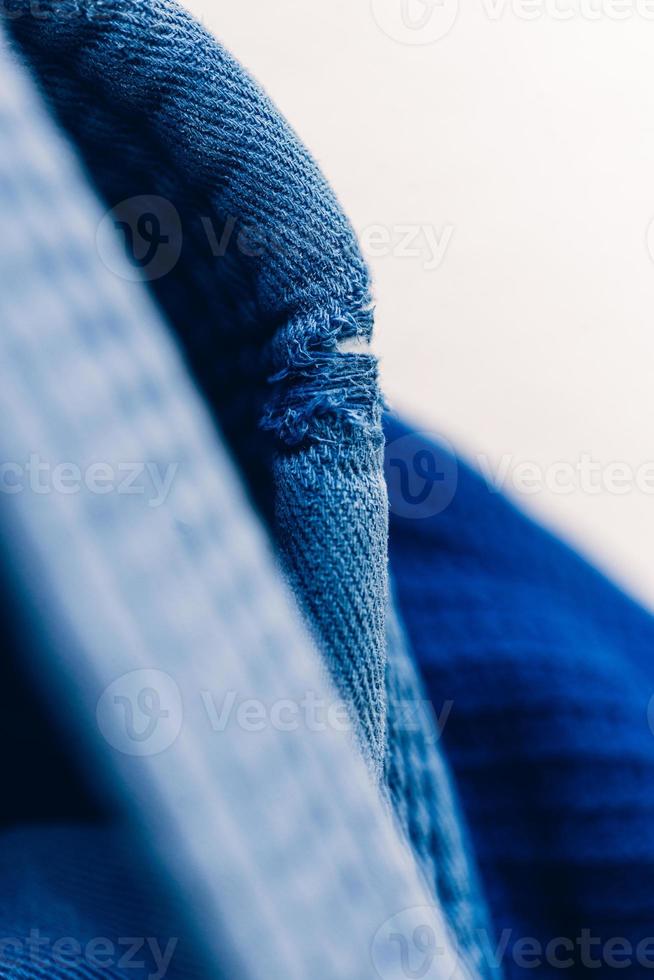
{"x": 264, "y": 285}
{"x": 273, "y": 838}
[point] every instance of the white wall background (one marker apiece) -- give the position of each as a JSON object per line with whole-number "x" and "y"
{"x": 520, "y": 134}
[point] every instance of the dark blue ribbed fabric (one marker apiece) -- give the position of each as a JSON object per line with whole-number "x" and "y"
{"x": 82, "y": 903}
{"x": 550, "y": 671}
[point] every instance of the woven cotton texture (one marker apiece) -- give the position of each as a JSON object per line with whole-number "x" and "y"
{"x": 287, "y": 862}
{"x": 158, "y": 108}
{"x": 550, "y": 675}
{"x": 266, "y": 283}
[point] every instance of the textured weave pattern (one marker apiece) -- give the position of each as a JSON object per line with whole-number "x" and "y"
{"x": 550, "y": 673}
{"x": 157, "y": 107}
{"x": 276, "y": 838}
{"x": 79, "y": 903}
{"x": 422, "y": 793}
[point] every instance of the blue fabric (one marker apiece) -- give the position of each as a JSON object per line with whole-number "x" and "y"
{"x": 549, "y": 671}
{"x": 157, "y": 108}
{"x": 144, "y": 619}
{"x": 546, "y": 667}
{"x": 79, "y": 901}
